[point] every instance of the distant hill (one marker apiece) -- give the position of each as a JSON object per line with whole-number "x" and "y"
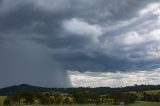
{"x": 101, "y": 90}
{"x": 22, "y": 87}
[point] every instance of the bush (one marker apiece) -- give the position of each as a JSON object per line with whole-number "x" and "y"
{"x": 7, "y": 102}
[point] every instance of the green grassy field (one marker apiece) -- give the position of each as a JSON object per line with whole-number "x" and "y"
{"x": 1, "y": 100}
{"x": 153, "y": 91}
{"x": 145, "y": 104}
{"x": 140, "y": 94}
{"x": 141, "y": 103}
{"x": 149, "y": 91}
{"x": 135, "y": 104}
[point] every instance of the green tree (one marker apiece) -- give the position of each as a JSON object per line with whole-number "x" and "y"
{"x": 29, "y": 97}
{"x": 7, "y": 102}
{"x": 66, "y": 101}
{"x": 58, "y": 98}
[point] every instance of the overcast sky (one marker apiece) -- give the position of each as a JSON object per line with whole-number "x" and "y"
{"x": 64, "y": 43}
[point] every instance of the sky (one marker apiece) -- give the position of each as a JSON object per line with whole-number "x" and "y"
{"x": 79, "y": 43}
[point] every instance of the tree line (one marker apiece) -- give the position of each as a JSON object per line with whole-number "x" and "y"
{"x": 78, "y": 97}
{"x": 102, "y": 95}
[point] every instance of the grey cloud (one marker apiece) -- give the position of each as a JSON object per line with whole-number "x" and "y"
{"x": 35, "y": 30}
{"x": 28, "y": 62}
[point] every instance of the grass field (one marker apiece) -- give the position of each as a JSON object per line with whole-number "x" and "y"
{"x": 149, "y": 91}
{"x": 141, "y": 103}
{"x": 153, "y": 91}
{"x": 140, "y": 94}
{"x": 1, "y": 100}
{"x": 135, "y": 104}
{"x": 145, "y": 104}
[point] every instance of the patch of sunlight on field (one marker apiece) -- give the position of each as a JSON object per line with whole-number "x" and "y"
{"x": 145, "y": 104}
{"x": 1, "y": 100}
{"x": 153, "y": 91}
{"x": 135, "y": 104}
{"x": 75, "y": 105}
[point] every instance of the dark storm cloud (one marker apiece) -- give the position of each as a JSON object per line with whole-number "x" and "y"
{"x": 84, "y": 35}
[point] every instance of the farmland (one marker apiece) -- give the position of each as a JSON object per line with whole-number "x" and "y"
{"x": 139, "y": 103}
{"x": 1, "y": 100}
{"x": 131, "y": 96}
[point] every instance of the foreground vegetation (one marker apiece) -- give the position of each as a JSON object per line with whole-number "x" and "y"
{"x": 139, "y": 103}
{"x": 127, "y": 96}
{"x": 145, "y": 104}
{"x": 78, "y": 97}
{"x": 22, "y": 98}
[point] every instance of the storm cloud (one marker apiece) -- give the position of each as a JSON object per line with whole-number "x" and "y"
{"x": 41, "y": 39}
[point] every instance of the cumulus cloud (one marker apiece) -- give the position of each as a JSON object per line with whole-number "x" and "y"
{"x": 79, "y": 27}
{"x": 110, "y": 79}
{"x": 153, "y": 8}
{"x": 130, "y": 38}
{"x": 137, "y": 39}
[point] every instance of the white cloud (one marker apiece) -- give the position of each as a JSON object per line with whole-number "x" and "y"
{"x": 154, "y": 8}
{"x": 138, "y": 38}
{"x": 154, "y": 35}
{"x": 111, "y": 79}
{"x": 134, "y": 38}
{"x": 80, "y": 27}
{"x": 134, "y": 46}
{"x": 130, "y": 38}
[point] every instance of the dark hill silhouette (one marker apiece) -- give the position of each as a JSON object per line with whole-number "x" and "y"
{"x": 22, "y": 87}
{"x": 100, "y": 90}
